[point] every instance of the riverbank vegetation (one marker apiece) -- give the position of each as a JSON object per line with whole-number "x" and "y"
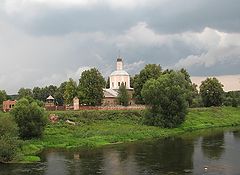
{"x": 9, "y": 142}
{"x": 99, "y": 128}
{"x": 168, "y": 95}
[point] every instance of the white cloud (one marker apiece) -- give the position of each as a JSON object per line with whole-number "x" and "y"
{"x": 134, "y": 65}
{"x": 77, "y": 74}
{"x": 218, "y": 47}
{"x": 36, "y": 60}
{"x": 141, "y": 35}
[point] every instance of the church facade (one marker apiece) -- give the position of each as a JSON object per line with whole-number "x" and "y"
{"x": 117, "y": 77}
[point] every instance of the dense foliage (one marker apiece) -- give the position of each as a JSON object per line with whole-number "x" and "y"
{"x": 70, "y": 91}
{"x": 150, "y": 71}
{"x": 41, "y": 94}
{"x": 9, "y": 142}
{"x": 192, "y": 92}
{"x": 90, "y": 88}
{"x": 30, "y": 119}
{"x": 211, "y": 91}
{"x": 59, "y": 94}
{"x": 167, "y": 98}
{"x": 108, "y": 83}
{"x": 123, "y": 96}
{"x": 24, "y": 92}
{"x": 232, "y": 98}
{"x": 3, "y": 97}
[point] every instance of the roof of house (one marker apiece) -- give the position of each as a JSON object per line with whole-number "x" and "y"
{"x": 119, "y": 72}
{"x": 110, "y": 93}
{"x": 50, "y": 98}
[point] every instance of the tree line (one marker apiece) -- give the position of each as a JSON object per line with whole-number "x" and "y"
{"x": 166, "y": 93}
{"x": 89, "y": 90}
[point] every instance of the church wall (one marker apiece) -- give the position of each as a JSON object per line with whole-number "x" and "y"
{"x": 116, "y": 79}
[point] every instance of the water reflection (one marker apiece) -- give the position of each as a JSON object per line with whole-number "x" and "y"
{"x": 168, "y": 155}
{"x": 236, "y": 134}
{"x": 213, "y": 145}
{"x": 218, "y": 151}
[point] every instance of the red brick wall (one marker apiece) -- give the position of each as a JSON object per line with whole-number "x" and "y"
{"x": 8, "y": 105}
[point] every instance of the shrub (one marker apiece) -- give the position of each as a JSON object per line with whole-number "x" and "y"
{"x": 123, "y": 97}
{"x": 9, "y": 142}
{"x": 30, "y": 119}
{"x": 167, "y": 99}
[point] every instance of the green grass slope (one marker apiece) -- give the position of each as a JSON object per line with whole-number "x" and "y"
{"x": 99, "y": 128}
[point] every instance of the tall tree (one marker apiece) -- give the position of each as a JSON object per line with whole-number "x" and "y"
{"x": 123, "y": 97}
{"x": 70, "y": 91}
{"x": 166, "y": 97}
{"x": 108, "y": 83}
{"x": 90, "y": 88}
{"x": 149, "y": 71}
{"x": 24, "y": 92}
{"x": 59, "y": 94}
{"x": 192, "y": 91}
{"x": 3, "y": 96}
{"x": 38, "y": 93}
{"x": 51, "y": 90}
{"x": 211, "y": 91}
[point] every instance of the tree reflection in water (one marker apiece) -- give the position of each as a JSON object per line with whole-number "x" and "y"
{"x": 236, "y": 134}
{"x": 213, "y": 145}
{"x": 167, "y": 155}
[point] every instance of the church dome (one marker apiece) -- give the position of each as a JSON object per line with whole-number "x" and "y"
{"x": 120, "y": 73}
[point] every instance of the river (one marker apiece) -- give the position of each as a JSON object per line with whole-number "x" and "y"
{"x": 209, "y": 152}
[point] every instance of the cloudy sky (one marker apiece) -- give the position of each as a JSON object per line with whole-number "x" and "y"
{"x": 45, "y": 42}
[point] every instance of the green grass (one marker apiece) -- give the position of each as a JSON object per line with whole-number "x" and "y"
{"x": 29, "y": 159}
{"x": 99, "y": 128}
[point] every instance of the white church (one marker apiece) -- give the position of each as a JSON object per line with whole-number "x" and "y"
{"x": 117, "y": 77}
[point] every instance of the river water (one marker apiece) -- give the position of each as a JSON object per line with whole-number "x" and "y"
{"x": 209, "y": 152}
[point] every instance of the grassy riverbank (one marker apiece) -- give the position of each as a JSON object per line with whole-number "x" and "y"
{"x": 99, "y": 128}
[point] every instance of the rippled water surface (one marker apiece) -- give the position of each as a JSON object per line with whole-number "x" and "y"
{"x": 206, "y": 152}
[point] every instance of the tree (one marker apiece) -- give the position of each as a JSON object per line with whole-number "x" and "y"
{"x": 211, "y": 91}
{"x": 123, "y": 96}
{"x": 90, "y": 88}
{"x": 3, "y": 97}
{"x": 149, "y": 71}
{"x": 24, "y": 92}
{"x": 38, "y": 93}
{"x": 232, "y": 98}
{"x": 50, "y": 90}
{"x": 167, "y": 100}
{"x": 30, "y": 119}
{"x": 9, "y": 142}
{"x": 108, "y": 83}
{"x": 59, "y": 94}
{"x": 42, "y": 93}
{"x": 192, "y": 88}
{"x": 70, "y": 91}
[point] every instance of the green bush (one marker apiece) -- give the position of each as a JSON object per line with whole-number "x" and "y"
{"x": 211, "y": 91}
{"x": 30, "y": 119}
{"x": 167, "y": 99}
{"x": 9, "y": 142}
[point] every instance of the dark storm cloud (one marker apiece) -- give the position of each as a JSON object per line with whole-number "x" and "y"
{"x": 47, "y": 41}
{"x": 168, "y": 17}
